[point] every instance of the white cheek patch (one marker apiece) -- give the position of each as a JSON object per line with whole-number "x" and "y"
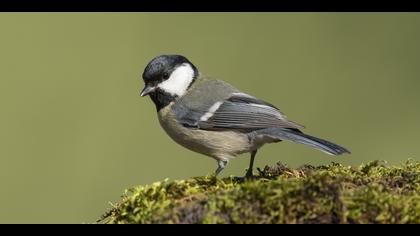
{"x": 211, "y": 111}
{"x": 179, "y": 81}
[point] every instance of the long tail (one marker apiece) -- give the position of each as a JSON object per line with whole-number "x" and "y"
{"x": 278, "y": 134}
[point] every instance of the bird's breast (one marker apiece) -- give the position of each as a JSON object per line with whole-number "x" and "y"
{"x": 216, "y": 144}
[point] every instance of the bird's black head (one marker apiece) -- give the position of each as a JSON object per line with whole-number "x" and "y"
{"x": 167, "y": 77}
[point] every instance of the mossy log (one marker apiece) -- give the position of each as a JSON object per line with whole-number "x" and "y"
{"x": 370, "y": 193}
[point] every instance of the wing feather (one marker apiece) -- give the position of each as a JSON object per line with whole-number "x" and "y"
{"x": 245, "y": 113}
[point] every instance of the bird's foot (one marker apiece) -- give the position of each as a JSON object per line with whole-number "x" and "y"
{"x": 248, "y": 176}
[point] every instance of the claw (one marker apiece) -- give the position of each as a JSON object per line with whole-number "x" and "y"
{"x": 248, "y": 176}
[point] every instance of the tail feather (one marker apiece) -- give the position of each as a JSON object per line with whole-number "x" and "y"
{"x": 277, "y": 134}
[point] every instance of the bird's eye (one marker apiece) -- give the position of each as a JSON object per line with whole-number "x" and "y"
{"x": 165, "y": 75}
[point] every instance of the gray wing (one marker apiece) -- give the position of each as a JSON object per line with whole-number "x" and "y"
{"x": 242, "y": 112}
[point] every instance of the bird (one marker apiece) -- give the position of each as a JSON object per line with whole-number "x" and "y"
{"x": 213, "y": 118}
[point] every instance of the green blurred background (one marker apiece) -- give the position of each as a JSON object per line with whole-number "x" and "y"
{"x": 75, "y": 133}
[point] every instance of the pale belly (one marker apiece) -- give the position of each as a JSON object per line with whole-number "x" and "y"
{"x": 221, "y": 145}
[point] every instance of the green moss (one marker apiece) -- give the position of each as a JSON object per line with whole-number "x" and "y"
{"x": 371, "y": 193}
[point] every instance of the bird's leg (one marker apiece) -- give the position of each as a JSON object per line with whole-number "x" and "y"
{"x": 221, "y": 165}
{"x": 249, "y": 174}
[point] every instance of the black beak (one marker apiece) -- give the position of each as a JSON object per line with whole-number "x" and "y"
{"x": 147, "y": 90}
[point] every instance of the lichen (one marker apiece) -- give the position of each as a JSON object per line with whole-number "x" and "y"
{"x": 370, "y": 193}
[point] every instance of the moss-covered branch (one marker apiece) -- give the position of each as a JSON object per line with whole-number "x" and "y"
{"x": 371, "y": 193}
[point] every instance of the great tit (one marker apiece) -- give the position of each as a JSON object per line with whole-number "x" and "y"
{"x": 213, "y": 118}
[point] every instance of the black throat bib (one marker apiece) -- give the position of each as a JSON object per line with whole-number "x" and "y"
{"x": 161, "y": 99}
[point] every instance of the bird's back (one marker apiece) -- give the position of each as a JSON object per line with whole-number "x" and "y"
{"x": 199, "y": 98}
{"x": 220, "y": 90}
